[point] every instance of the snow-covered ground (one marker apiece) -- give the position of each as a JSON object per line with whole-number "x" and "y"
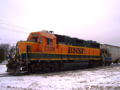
{"x": 5, "y": 62}
{"x": 103, "y": 78}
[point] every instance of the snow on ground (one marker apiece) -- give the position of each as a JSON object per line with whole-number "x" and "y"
{"x": 5, "y": 62}
{"x": 103, "y": 78}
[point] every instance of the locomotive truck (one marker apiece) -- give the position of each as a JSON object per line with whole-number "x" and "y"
{"x": 45, "y": 51}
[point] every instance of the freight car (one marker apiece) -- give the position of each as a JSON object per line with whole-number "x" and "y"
{"x": 44, "y": 51}
{"x": 111, "y": 51}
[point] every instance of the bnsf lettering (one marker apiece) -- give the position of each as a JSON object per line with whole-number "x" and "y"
{"x": 47, "y": 48}
{"x": 75, "y": 50}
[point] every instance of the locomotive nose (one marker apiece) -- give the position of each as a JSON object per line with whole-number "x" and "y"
{"x": 13, "y": 67}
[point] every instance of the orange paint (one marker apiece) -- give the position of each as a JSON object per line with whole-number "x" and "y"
{"x": 46, "y": 43}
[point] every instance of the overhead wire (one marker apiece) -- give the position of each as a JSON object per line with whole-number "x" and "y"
{"x": 15, "y": 26}
{"x": 7, "y": 40}
{"x": 2, "y": 22}
{"x": 8, "y": 29}
{"x": 12, "y": 30}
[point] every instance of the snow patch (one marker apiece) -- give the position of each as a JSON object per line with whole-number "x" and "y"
{"x": 107, "y": 78}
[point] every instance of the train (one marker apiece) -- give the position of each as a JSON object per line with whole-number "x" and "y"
{"x": 112, "y": 51}
{"x": 44, "y": 51}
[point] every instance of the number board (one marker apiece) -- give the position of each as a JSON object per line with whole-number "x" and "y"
{"x": 34, "y": 35}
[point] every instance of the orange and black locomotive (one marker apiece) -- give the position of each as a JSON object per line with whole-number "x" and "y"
{"x": 44, "y": 51}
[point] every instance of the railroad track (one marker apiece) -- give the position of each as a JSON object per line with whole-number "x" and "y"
{"x": 4, "y": 75}
{"x": 9, "y": 75}
{"x": 91, "y": 69}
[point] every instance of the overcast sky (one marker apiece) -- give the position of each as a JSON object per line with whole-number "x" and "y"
{"x": 97, "y": 20}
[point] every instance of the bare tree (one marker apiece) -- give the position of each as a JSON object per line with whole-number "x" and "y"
{"x": 5, "y": 48}
{"x": 12, "y": 50}
{"x": 1, "y": 55}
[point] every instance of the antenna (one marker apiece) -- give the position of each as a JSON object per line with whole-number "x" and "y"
{"x": 51, "y": 32}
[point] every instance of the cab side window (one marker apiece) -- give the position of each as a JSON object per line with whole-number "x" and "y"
{"x": 34, "y": 39}
{"x": 49, "y": 41}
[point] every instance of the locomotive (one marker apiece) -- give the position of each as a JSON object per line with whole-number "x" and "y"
{"x": 45, "y": 51}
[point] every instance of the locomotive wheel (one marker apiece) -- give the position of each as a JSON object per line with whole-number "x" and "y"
{"x": 32, "y": 68}
{"x": 55, "y": 66}
{"x": 95, "y": 63}
{"x": 45, "y": 67}
{"x": 29, "y": 69}
{"x": 99, "y": 63}
{"x": 37, "y": 68}
{"x": 92, "y": 64}
{"x": 61, "y": 66}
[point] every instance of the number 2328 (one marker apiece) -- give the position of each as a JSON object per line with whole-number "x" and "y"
{"x": 47, "y": 48}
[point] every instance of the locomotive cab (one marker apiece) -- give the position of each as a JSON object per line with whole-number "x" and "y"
{"x": 37, "y": 48}
{"x": 44, "y": 39}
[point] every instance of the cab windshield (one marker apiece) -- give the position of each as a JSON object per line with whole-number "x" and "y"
{"x": 34, "y": 39}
